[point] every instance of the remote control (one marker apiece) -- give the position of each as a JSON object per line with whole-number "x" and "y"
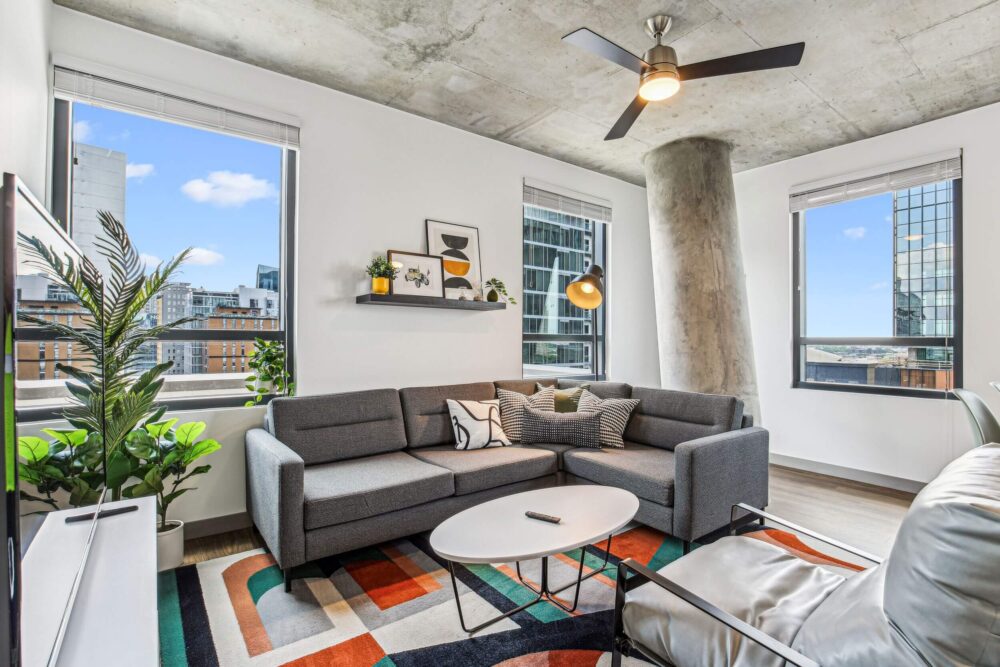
{"x": 542, "y": 517}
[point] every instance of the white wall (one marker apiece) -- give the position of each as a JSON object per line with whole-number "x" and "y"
{"x": 908, "y": 438}
{"x": 369, "y": 176}
{"x": 24, "y": 95}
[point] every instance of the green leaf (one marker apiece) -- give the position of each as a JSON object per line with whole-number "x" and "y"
{"x": 140, "y": 444}
{"x": 249, "y": 404}
{"x": 159, "y": 429}
{"x": 187, "y": 433}
{"x": 71, "y": 438}
{"x": 32, "y": 448}
{"x": 118, "y": 470}
{"x": 250, "y": 378}
{"x": 201, "y": 448}
{"x": 154, "y": 480}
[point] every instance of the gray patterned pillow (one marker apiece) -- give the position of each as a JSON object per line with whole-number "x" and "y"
{"x": 615, "y": 413}
{"x": 513, "y": 405}
{"x": 580, "y": 429}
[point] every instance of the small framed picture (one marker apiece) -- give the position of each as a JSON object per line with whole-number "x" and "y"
{"x": 419, "y": 275}
{"x": 458, "y": 246}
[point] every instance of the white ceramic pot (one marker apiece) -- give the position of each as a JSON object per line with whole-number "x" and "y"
{"x": 170, "y": 546}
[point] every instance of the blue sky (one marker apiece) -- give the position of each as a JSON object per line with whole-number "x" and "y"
{"x": 190, "y": 187}
{"x": 849, "y": 271}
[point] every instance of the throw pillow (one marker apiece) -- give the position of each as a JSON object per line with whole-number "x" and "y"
{"x": 615, "y": 413}
{"x": 580, "y": 429}
{"x": 567, "y": 400}
{"x": 477, "y": 424}
{"x": 513, "y": 405}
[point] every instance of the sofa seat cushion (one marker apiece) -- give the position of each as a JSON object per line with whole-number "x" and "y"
{"x": 359, "y": 488}
{"x": 757, "y": 582}
{"x": 648, "y": 472}
{"x": 479, "y": 469}
{"x": 558, "y": 449}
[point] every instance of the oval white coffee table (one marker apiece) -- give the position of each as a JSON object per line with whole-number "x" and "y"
{"x": 498, "y": 531}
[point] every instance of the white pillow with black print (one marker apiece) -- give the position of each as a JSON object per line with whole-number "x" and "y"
{"x": 477, "y": 424}
{"x": 513, "y": 405}
{"x": 615, "y": 413}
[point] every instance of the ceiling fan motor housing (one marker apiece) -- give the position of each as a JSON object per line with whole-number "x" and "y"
{"x": 660, "y": 58}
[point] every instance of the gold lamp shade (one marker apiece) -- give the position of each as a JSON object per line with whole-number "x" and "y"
{"x": 587, "y": 291}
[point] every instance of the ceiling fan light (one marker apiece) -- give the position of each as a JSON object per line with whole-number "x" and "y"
{"x": 659, "y": 85}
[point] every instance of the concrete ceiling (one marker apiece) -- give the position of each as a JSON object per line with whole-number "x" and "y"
{"x": 498, "y": 68}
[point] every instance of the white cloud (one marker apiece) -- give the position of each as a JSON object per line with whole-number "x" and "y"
{"x": 204, "y": 257}
{"x": 139, "y": 170}
{"x": 82, "y": 131}
{"x": 879, "y": 286}
{"x": 149, "y": 261}
{"x": 855, "y": 233}
{"x": 225, "y": 188}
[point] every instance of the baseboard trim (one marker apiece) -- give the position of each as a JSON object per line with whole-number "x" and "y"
{"x": 863, "y": 476}
{"x": 216, "y": 525}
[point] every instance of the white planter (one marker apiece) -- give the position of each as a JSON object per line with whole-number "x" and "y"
{"x": 170, "y": 546}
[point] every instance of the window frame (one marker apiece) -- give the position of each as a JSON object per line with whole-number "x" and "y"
{"x": 61, "y": 193}
{"x": 800, "y": 341}
{"x": 599, "y": 360}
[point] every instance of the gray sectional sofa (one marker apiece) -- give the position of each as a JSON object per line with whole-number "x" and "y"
{"x": 337, "y": 472}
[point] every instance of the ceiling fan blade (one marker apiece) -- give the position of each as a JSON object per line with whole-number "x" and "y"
{"x": 625, "y": 121}
{"x": 591, "y": 41}
{"x": 779, "y": 56}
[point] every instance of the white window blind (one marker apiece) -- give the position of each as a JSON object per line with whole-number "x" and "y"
{"x": 99, "y": 91}
{"x": 910, "y": 177}
{"x": 564, "y": 204}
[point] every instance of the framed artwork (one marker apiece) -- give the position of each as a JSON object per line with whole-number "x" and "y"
{"x": 419, "y": 275}
{"x": 458, "y": 247}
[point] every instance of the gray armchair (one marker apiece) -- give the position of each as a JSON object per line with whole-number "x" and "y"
{"x": 739, "y": 601}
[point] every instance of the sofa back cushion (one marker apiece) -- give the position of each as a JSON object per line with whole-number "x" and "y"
{"x": 334, "y": 427}
{"x": 599, "y": 389}
{"x": 942, "y": 588}
{"x": 666, "y": 418}
{"x": 425, "y": 410}
{"x": 526, "y": 387}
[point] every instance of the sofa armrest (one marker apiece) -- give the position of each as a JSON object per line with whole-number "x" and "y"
{"x": 712, "y": 474}
{"x": 274, "y": 494}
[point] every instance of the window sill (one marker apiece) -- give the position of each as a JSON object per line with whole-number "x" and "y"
{"x": 936, "y": 394}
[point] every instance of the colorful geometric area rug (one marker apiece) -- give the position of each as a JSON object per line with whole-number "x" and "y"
{"x": 393, "y": 605}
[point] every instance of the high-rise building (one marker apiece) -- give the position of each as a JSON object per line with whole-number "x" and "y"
{"x": 557, "y": 248}
{"x": 98, "y": 185}
{"x": 267, "y": 277}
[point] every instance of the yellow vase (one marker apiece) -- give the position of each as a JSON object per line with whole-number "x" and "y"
{"x": 380, "y": 285}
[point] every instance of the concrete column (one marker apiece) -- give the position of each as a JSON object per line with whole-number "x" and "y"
{"x": 703, "y": 322}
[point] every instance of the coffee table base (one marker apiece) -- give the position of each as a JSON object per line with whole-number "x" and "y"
{"x": 542, "y": 593}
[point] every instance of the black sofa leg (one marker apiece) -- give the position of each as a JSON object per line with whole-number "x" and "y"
{"x": 686, "y": 547}
{"x": 287, "y": 572}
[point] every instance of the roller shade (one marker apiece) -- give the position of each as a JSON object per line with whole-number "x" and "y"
{"x": 99, "y": 91}
{"x": 910, "y": 177}
{"x": 534, "y": 196}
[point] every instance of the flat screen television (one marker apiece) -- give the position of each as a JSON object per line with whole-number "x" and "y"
{"x": 26, "y": 284}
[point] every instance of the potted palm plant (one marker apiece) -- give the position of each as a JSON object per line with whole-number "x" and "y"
{"x": 112, "y": 397}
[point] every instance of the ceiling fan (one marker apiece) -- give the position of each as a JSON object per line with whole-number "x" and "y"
{"x": 659, "y": 74}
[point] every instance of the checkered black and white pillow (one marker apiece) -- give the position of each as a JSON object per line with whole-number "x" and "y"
{"x": 615, "y": 413}
{"x": 477, "y": 424}
{"x": 580, "y": 429}
{"x": 513, "y": 404}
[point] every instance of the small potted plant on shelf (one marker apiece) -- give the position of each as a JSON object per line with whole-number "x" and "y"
{"x": 498, "y": 292}
{"x": 164, "y": 454}
{"x": 382, "y": 272}
{"x": 267, "y": 361}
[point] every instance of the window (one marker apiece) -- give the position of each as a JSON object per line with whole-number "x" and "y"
{"x": 878, "y": 290}
{"x": 563, "y": 236}
{"x": 179, "y": 174}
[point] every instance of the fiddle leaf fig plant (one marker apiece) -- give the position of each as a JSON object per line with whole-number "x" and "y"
{"x": 165, "y": 452}
{"x": 270, "y": 375}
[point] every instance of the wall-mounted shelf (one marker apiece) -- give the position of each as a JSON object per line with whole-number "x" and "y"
{"x": 427, "y": 302}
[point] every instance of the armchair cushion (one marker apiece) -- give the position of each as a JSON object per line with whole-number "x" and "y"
{"x": 349, "y": 490}
{"x": 648, "y": 472}
{"x": 757, "y": 582}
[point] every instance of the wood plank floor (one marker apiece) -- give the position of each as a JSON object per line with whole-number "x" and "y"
{"x": 864, "y": 516}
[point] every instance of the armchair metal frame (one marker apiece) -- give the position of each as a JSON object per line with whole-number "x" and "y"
{"x": 632, "y": 574}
